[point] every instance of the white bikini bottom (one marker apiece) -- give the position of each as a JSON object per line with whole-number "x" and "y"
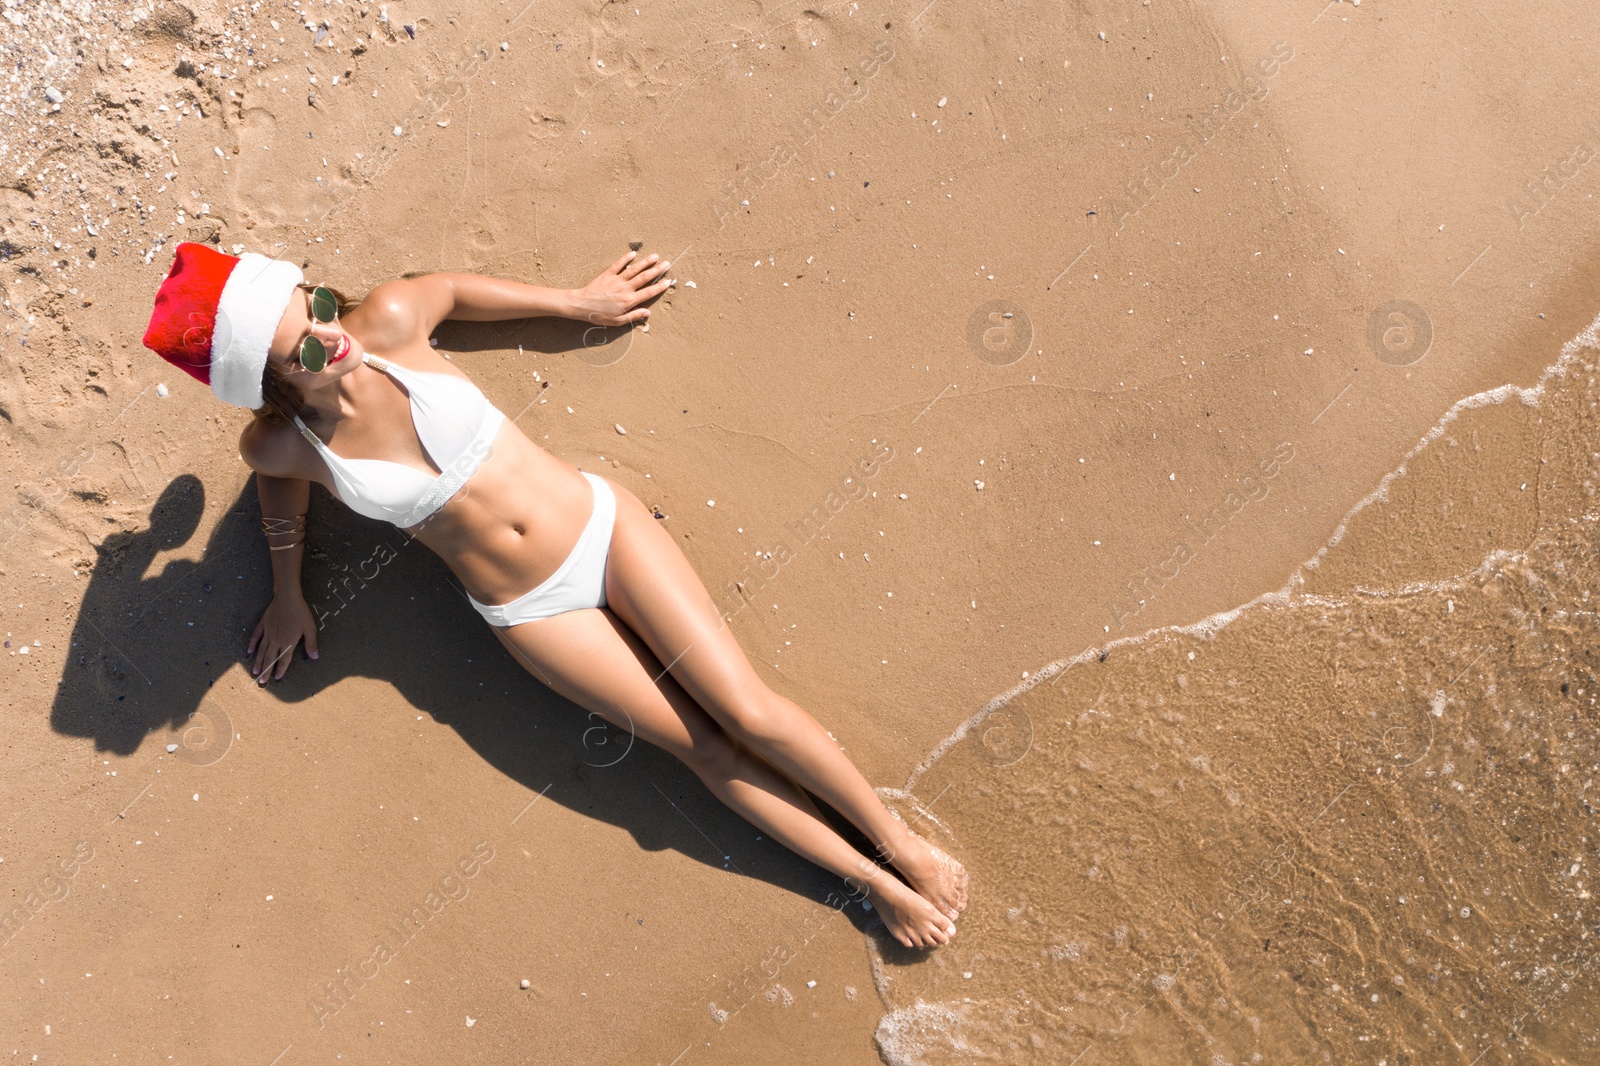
{"x": 580, "y": 581}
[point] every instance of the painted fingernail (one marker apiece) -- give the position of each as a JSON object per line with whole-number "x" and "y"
{"x": 313, "y": 655}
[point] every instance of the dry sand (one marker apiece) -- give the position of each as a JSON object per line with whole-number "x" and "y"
{"x": 1228, "y": 607}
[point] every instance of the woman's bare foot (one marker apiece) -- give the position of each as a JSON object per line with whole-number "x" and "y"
{"x": 937, "y": 877}
{"x": 912, "y": 920}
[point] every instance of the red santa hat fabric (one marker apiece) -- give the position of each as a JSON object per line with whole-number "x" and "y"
{"x": 215, "y": 315}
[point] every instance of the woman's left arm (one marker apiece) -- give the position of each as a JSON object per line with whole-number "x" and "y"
{"x": 611, "y": 299}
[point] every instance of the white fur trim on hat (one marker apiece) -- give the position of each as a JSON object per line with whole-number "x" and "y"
{"x": 252, "y": 303}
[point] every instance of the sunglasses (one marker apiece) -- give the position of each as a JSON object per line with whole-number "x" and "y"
{"x": 324, "y": 308}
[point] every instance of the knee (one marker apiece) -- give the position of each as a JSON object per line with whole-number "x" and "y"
{"x": 754, "y": 713}
{"x": 713, "y": 756}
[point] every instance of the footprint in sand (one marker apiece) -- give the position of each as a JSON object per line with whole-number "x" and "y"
{"x": 264, "y": 192}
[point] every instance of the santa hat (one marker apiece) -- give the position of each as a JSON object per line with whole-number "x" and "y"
{"x": 215, "y": 315}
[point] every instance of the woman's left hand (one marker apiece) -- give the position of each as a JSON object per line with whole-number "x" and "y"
{"x": 613, "y": 298}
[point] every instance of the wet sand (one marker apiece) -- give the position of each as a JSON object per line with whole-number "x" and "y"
{"x": 1007, "y": 345}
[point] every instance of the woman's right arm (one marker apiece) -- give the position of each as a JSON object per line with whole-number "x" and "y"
{"x": 283, "y": 500}
{"x": 288, "y": 618}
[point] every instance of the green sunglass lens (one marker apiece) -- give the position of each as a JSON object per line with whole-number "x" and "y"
{"x": 323, "y": 305}
{"x": 313, "y": 355}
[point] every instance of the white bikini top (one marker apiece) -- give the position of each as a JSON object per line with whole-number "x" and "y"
{"x": 456, "y": 424}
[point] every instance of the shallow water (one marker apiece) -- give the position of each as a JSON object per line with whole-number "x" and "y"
{"x": 1350, "y": 822}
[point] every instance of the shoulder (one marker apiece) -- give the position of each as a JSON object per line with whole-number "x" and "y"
{"x": 398, "y": 312}
{"x": 275, "y": 450}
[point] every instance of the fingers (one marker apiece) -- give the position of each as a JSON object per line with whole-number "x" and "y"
{"x": 622, "y": 261}
{"x": 272, "y": 655}
{"x": 261, "y": 655}
{"x": 648, "y": 273}
{"x": 311, "y": 649}
{"x": 250, "y": 647}
{"x": 641, "y": 265}
{"x": 280, "y": 661}
{"x": 284, "y": 659}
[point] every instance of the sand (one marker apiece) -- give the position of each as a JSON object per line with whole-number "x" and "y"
{"x": 1156, "y": 440}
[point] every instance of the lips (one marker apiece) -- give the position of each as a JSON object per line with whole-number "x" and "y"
{"x": 342, "y": 351}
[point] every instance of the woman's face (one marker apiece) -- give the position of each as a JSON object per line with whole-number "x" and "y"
{"x": 298, "y": 323}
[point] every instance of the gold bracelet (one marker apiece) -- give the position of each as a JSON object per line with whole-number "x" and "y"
{"x": 274, "y": 526}
{"x": 286, "y": 547}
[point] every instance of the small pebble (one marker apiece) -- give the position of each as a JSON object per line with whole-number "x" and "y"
{"x": 161, "y": 389}
{"x": 53, "y": 94}
{"x": 398, "y": 130}
{"x": 526, "y": 983}
{"x": 620, "y": 430}
{"x": 811, "y": 984}
{"x": 172, "y": 748}
{"x": 505, "y": 46}
{"x": 711, "y": 503}
{"x": 943, "y": 100}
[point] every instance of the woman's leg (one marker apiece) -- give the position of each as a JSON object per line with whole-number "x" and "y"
{"x": 652, "y": 587}
{"x": 592, "y": 659}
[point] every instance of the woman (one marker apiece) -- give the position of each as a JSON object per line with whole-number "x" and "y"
{"x": 576, "y": 576}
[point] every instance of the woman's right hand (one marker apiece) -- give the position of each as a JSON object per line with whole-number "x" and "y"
{"x": 287, "y": 621}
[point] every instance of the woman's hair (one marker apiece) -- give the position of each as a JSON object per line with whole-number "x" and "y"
{"x": 282, "y": 398}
